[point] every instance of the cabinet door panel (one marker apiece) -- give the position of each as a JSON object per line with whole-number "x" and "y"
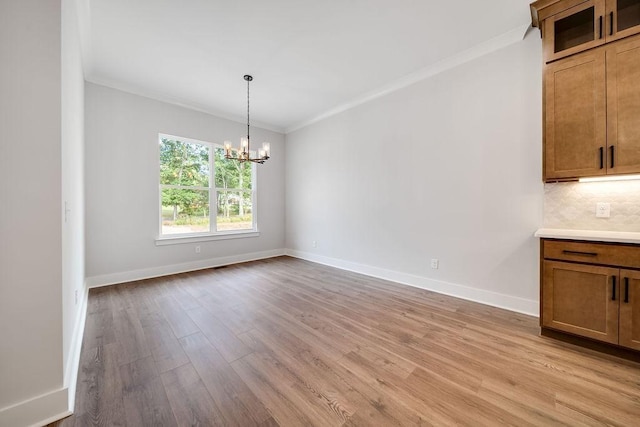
{"x": 623, "y": 105}
{"x": 578, "y": 299}
{"x": 622, "y": 19}
{"x": 630, "y": 309}
{"x": 575, "y": 116}
{"x": 574, "y": 30}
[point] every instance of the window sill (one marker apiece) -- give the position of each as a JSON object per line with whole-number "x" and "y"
{"x": 178, "y": 240}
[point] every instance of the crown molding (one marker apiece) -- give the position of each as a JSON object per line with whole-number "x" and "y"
{"x": 157, "y": 96}
{"x": 491, "y": 45}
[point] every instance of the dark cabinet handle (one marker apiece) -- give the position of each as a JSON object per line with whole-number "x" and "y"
{"x": 580, "y": 253}
{"x": 626, "y": 290}
{"x": 613, "y": 152}
{"x": 600, "y": 26}
{"x": 613, "y": 288}
{"x": 601, "y": 157}
{"x": 611, "y": 24}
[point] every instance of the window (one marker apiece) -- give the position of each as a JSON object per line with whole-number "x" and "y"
{"x": 201, "y": 192}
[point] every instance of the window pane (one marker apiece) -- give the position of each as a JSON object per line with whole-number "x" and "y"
{"x": 231, "y": 173}
{"x": 235, "y": 211}
{"x": 185, "y": 211}
{"x": 183, "y": 163}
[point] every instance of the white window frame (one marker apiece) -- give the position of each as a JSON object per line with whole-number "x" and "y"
{"x": 213, "y": 234}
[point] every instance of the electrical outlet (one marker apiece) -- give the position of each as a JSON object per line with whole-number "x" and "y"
{"x": 434, "y": 263}
{"x": 198, "y": 249}
{"x": 603, "y": 210}
{"x": 314, "y": 244}
{"x": 76, "y": 296}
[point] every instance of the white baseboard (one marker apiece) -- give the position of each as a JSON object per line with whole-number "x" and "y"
{"x": 73, "y": 359}
{"x": 57, "y": 404}
{"x": 165, "y": 270}
{"x": 508, "y": 302}
{"x": 38, "y": 411}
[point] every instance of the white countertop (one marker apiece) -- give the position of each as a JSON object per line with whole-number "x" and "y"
{"x": 598, "y": 236}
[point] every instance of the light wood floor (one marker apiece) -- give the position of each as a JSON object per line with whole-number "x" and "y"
{"x": 292, "y": 343}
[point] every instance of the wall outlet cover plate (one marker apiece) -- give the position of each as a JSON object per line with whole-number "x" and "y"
{"x": 603, "y": 210}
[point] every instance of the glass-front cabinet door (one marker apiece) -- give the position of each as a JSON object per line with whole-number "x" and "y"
{"x": 589, "y": 24}
{"x": 623, "y": 18}
{"x": 574, "y": 30}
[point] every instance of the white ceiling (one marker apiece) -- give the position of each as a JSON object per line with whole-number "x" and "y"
{"x": 307, "y": 56}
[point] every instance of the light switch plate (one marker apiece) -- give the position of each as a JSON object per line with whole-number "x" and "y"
{"x": 603, "y": 210}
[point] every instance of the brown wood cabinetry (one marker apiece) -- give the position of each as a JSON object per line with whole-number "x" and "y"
{"x": 592, "y": 106}
{"x": 575, "y": 116}
{"x": 572, "y": 26}
{"x": 574, "y": 30}
{"x": 630, "y": 309}
{"x": 592, "y": 290}
{"x": 591, "y": 95}
{"x": 623, "y": 106}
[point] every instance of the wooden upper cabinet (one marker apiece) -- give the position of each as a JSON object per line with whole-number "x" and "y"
{"x": 630, "y": 309}
{"x": 574, "y": 30}
{"x": 575, "y": 117}
{"x": 572, "y": 26}
{"x": 591, "y": 87}
{"x": 623, "y": 106}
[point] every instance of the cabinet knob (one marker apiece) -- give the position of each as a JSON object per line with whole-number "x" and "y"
{"x": 613, "y": 288}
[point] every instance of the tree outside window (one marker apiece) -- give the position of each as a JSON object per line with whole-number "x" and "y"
{"x": 188, "y": 188}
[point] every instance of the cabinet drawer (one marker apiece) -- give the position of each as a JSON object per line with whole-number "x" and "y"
{"x": 593, "y": 253}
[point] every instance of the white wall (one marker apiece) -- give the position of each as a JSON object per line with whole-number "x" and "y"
{"x": 31, "y": 355}
{"x": 122, "y": 186}
{"x": 447, "y": 168}
{"x": 72, "y": 121}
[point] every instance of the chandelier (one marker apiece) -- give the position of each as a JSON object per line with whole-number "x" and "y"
{"x": 243, "y": 154}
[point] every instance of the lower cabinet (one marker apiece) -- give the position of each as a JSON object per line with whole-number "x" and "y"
{"x": 592, "y": 290}
{"x": 630, "y": 310}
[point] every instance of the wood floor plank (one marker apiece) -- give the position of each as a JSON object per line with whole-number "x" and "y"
{"x": 225, "y": 341}
{"x": 179, "y": 293}
{"x": 130, "y": 336}
{"x": 180, "y": 323}
{"x": 166, "y": 350}
{"x": 191, "y": 403}
{"x": 145, "y": 399}
{"x": 284, "y": 411}
{"x": 526, "y": 410}
{"x": 100, "y": 300}
{"x": 238, "y": 403}
{"x": 99, "y": 390}
{"x": 99, "y": 329}
{"x": 289, "y": 342}
{"x": 337, "y": 388}
{"x": 467, "y": 407}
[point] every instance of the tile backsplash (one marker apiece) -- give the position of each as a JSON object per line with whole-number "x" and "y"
{"x": 572, "y": 205}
